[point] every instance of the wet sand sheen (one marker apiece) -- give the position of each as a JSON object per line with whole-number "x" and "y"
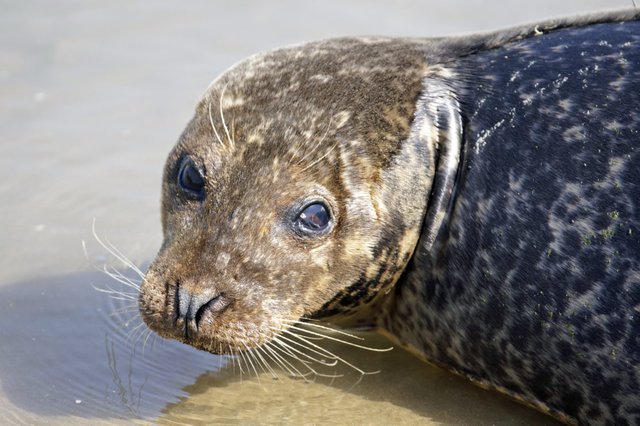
{"x": 406, "y": 392}
{"x": 93, "y": 98}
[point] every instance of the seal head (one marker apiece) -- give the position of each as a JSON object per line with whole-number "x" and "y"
{"x": 290, "y": 193}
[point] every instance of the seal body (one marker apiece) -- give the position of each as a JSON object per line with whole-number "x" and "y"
{"x": 534, "y": 285}
{"x": 477, "y": 199}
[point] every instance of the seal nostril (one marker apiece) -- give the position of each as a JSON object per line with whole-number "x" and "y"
{"x": 214, "y": 305}
{"x": 190, "y": 308}
{"x": 201, "y": 312}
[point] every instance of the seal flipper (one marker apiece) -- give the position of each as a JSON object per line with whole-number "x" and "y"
{"x": 439, "y": 110}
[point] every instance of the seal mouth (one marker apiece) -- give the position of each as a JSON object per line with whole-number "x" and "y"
{"x": 193, "y": 309}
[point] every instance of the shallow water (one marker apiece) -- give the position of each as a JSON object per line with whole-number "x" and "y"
{"x": 92, "y": 97}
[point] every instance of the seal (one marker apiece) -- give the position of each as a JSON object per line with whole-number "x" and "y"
{"x": 477, "y": 199}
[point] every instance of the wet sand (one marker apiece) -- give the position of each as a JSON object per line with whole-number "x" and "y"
{"x": 92, "y": 97}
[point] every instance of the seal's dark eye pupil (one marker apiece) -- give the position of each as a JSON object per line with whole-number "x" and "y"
{"x": 314, "y": 217}
{"x": 190, "y": 179}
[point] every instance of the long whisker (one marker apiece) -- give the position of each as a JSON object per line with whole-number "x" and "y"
{"x": 224, "y": 124}
{"x": 112, "y": 250}
{"x": 263, "y": 362}
{"x": 305, "y": 344}
{"x": 260, "y": 350}
{"x": 298, "y": 373}
{"x": 119, "y": 276}
{"x": 144, "y": 344}
{"x": 324, "y": 327}
{"x": 303, "y": 362}
{"x": 120, "y": 256}
{"x": 258, "y": 354}
{"x": 346, "y": 342}
{"x": 267, "y": 350}
{"x": 248, "y": 356}
{"x": 361, "y": 371}
{"x": 116, "y": 294}
{"x": 279, "y": 339}
{"x": 311, "y": 337}
{"x": 213, "y": 126}
{"x": 127, "y": 309}
{"x": 240, "y": 359}
{"x": 136, "y": 333}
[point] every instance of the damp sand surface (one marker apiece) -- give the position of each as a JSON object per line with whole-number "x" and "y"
{"x": 92, "y": 97}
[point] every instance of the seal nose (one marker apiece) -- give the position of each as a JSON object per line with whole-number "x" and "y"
{"x": 192, "y": 307}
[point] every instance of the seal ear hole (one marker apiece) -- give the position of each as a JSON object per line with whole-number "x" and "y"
{"x": 190, "y": 179}
{"x": 314, "y": 219}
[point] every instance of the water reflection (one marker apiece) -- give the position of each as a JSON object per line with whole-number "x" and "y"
{"x": 65, "y": 359}
{"x": 63, "y": 354}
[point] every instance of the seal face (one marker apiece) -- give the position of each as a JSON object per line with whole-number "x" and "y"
{"x": 474, "y": 198}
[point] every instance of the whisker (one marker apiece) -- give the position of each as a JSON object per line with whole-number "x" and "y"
{"x": 305, "y": 344}
{"x": 213, "y": 127}
{"x": 122, "y": 258}
{"x": 112, "y": 250}
{"x": 259, "y": 349}
{"x": 144, "y": 344}
{"x": 154, "y": 339}
{"x": 258, "y": 354}
{"x": 116, "y": 294}
{"x": 224, "y": 124}
{"x": 248, "y": 356}
{"x": 120, "y": 277}
{"x": 239, "y": 358}
{"x": 234, "y": 362}
{"x": 346, "y": 342}
{"x": 135, "y": 334}
{"x": 319, "y": 361}
{"x": 264, "y": 365}
{"x": 305, "y": 363}
{"x": 268, "y": 352}
{"x": 331, "y": 353}
{"x": 297, "y": 373}
{"x": 311, "y": 337}
{"x": 324, "y": 327}
{"x": 129, "y": 309}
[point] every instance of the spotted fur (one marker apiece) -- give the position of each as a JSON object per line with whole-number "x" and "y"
{"x": 534, "y": 286}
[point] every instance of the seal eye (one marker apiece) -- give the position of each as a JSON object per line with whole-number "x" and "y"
{"x": 314, "y": 218}
{"x": 190, "y": 179}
